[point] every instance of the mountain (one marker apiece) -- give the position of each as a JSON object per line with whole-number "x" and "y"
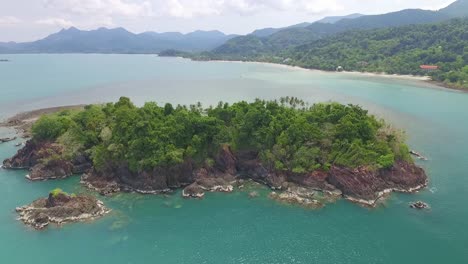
{"x": 398, "y": 50}
{"x": 291, "y": 37}
{"x": 334, "y": 19}
{"x": 265, "y": 32}
{"x": 458, "y": 8}
{"x": 118, "y": 40}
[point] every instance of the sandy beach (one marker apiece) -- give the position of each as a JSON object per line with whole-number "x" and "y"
{"x": 384, "y": 75}
{"x": 23, "y": 121}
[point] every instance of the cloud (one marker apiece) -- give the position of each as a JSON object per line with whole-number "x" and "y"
{"x": 93, "y": 13}
{"x": 59, "y": 22}
{"x": 199, "y": 8}
{"x": 101, "y": 7}
{"x": 9, "y": 20}
{"x": 319, "y": 6}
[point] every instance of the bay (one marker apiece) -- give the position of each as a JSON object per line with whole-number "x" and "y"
{"x": 231, "y": 228}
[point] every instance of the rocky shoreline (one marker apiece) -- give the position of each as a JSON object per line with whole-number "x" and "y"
{"x": 37, "y": 158}
{"x": 361, "y": 185}
{"x": 60, "y": 208}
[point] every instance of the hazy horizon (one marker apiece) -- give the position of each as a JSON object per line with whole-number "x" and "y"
{"x": 45, "y": 17}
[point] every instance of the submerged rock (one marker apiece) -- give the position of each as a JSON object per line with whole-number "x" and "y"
{"x": 253, "y": 194}
{"x": 296, "y": 199}
{"x": 299, "y": 195}
{"x": 198, "y": 188}
{"x": 193, "y": 191}
{"x": 418, "y": 155}
{"x": 60, "y": 208}
{"x": 4, "y": 140}
{"x": 419, "y": 205}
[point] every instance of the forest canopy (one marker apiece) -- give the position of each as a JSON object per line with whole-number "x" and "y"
{"x": 287, "y": 134}
{"x": 394, "y": 50}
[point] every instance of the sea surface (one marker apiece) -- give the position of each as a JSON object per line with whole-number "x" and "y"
{"x": 231, "y": 228}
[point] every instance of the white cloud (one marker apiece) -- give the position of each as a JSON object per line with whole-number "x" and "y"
{"x": 319, "y": 6}
{"x": 9, "y": 20}
{"x": 59, "y": 22}
{"x": 101, "y": 7}
{"x": 197, "y": 8}
{"x": 89, "y": 14}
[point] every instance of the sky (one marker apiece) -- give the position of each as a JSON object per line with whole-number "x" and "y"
{"x": 27, "y": 20}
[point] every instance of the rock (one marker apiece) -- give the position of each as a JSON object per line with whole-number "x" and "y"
{"x": 226, "y": 161}
{"x": 59, "y": 208}
{"x": 193, "y": 191}
{"x": 296, "y": 199}
{"x": 215, "y": 185}
{"x": 158, "y": 180}
{"x": 419, "y": 205}
{"x": 102, "y": 186}
{"x": 45, "y": 162}
{"x": 362, "y": 185}
{"x": 26, "y": 157}
{"x": 4, "y": 140}
{"x": 81, "y": 164}
{"x": 418, "y": 155}
{"x": 253, "y": 194}
{"x": 54, "y": 169}
{"x": 366, "y": 186}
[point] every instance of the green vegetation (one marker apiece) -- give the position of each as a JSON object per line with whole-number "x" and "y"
{"x": 51, "y": 127}
{"x": 394, "y": 50}
{"x": 397, "y": 50}
{"x": 56, "y": 192}
{"x": 287, "y": 134}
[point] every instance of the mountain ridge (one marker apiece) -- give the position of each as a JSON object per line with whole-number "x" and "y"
{"x": 290, "y": 37}
{"x": 117, "y": 40}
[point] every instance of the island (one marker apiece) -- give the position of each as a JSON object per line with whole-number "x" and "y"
{"x": 307, "y": 154}
{"x": 60, "y": 208}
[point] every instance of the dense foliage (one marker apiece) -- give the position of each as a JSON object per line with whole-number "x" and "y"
{"x": 394, "y": 50}
{"x": 397, "y": 50}
{"x": 266, "y": 45}
{"x": 287, "y": 134}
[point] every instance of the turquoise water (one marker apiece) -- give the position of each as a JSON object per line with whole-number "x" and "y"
{"x": 231, "y": 228}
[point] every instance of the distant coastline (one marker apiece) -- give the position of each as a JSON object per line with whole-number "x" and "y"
{"x": 399, "y": 76}
{"x": 425, "y": 79}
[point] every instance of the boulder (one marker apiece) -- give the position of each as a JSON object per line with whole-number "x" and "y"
{"x": 60, "y": 208}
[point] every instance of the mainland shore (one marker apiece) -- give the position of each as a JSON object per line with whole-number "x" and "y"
{"x": 418, "y": 78}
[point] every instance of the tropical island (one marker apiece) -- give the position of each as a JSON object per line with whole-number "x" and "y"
{"x": 304, "y": 153}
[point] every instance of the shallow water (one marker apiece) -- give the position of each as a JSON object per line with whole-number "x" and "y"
{"x": 231, "y": 228}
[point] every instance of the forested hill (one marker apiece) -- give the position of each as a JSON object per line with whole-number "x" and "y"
{"x": 260, "y": 44}
{"x": 398, "y": 50}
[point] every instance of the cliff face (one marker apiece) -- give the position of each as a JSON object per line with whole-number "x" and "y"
{"x": 28, "y": 156}
{"x": 361, "y": 185}
{"x": 44, "y": 161}
{"x": 365, "y": 184}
